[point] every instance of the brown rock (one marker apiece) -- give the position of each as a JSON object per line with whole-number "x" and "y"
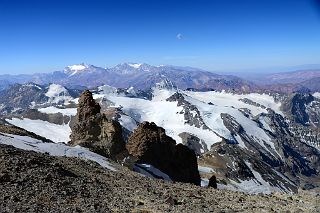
{"x": 94, "y": 131}
{"x": 87, "y": 106}
{"x": 149, "y": 144}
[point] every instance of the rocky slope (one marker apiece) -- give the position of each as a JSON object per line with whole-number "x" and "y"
{"x": 35, "y": 182}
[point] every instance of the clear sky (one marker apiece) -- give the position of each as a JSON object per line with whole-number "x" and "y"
{"x": 47, "y": 35}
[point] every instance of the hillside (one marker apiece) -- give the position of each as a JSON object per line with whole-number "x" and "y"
{"x": 35, "y": 182}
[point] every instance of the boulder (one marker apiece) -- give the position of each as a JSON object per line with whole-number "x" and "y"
{"x": 213, "y": 182}
{"x": 149, "y": 144}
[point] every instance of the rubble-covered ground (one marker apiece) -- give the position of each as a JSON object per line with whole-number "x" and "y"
{"x": 37, "y": 182}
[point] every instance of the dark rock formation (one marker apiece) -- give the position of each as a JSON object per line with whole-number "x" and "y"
{"x": 191, "y": 113}
{"x": 213, "y": 182}
{"x": 296, "y": 107}
{"x": 94, "y": 131}
{"x": 149, "y": 144}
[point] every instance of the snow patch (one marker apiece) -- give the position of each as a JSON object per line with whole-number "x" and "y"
{"x": 316, "y": 94}
{"x": 136, "y": 66}
{"x": 204, "y": 169}
{"x": 54, "y": 132}
{"x": 54, "y": 149}
{"x": 53, "y": 110}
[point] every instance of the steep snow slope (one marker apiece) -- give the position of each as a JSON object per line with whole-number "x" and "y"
{"x": 55, "y": 149}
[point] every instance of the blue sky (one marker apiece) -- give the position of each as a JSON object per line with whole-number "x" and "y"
{"x": 43, "y": 36}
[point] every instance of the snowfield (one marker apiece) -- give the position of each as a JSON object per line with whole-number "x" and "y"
{"x": 54, "y": 149}
{"x": 233, "y": 100}
{"x": 168, "y": 115}
{"x": 53, "y": 110}
{"x": 163, "y": 113}
{"x": 54, "y": 132}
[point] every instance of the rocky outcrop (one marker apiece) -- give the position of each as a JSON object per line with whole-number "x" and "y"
{"x": 191, "y": 112}
{"x": 295, "y": 107}
{"x": 194, "y": 143}
{"x": 94, "y": 131}
{"x": 149, "y": 144}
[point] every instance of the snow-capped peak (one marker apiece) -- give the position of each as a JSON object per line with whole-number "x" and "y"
{"x": 135, "y": 65}
{"x": 77, "y": 67}
{"x": 74, "y": 69}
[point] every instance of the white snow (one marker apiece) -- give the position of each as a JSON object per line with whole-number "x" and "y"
{"x": 232, "y": 100}
{"x": 127, "y": 122}
{"x": 316, "y": 94}
{"x": 211, "y": 115}
{"x": 168, "y": 115}
{"x": 76, "y": 68}
{"x": 163, "y": 113}
{"x": 204, "y": 169}
{"x": 136, "y": 66}
{"x": 54, "y": 132}
{"x": 240, "y": 142}
{"x": 264, "y": 121}
{"x": 131, "y": 91}
{"x": 204, "y": 182}
{"x": 54, "y": 149}
{"x": 106, "y": 89}
{"x": 58, "y": 94}
{"x": 53, "y": 110}
{"x": 149, "y": 170}
{"x": 33, "y": 85}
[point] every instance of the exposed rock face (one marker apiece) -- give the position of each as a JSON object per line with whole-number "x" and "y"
{"x": 149, "y": 144}
{"x": 94, "y": 131}
{"x": 296, "y": 106}
{"x": 191, "y": 113}
{"x": 194, "y": 143}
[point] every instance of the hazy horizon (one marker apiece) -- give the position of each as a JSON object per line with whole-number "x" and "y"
{"x": 218, "y": 36}
{"x": 237, "y": 72}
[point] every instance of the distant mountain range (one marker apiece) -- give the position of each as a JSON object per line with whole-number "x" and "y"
{"x": 144, "y": 76}
{"x": 124, "y": 75}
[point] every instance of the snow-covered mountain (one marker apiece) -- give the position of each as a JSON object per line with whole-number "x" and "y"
{"x": 24, "y": 96}
{"x": 252, "y": 142}
{"x": 141, "y": 76}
